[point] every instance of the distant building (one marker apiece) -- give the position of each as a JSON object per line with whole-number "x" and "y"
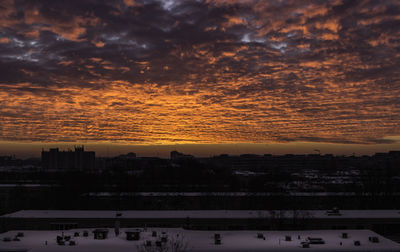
{"x": 130, "y": 155}
{"x": 9, "y": 161}
{"x": 126, "y": 162}
{"x": 385, "y": 222}
{"x": 177, "y": 155}
{"x": 78, "y": 160}
{"x": 394, "y": 153}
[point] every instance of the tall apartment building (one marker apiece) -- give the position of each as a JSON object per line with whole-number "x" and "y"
{"x": 78, "y": 160}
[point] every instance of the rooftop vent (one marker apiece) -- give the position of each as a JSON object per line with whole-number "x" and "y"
{"x": 373, "y": 239}
{"x": 100, "y": 234}
{"x": 132, "y": 235}
{"x": 315, "y": 240}
{"x": 333, "y": 212}
{"x": 260, "y": 236}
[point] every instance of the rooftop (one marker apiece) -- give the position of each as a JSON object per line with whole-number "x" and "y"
{"x": 200, "y": 214}
{"x": 199, "y": 241}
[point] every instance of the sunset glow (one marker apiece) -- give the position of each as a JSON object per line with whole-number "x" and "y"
{"x": 150, "y": 72}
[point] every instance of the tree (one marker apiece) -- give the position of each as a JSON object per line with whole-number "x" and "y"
{"x": 176, "y": 243}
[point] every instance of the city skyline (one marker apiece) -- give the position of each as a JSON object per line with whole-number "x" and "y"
{"x": 205, "y": 77}
{"x": 33, "y": 150}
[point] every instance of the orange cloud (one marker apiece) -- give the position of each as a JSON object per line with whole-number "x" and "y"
{"x": 4, "y": 40}
{"x": 275, "y": 71}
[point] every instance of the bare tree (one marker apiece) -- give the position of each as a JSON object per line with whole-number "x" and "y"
{"x": 176, "y": 243}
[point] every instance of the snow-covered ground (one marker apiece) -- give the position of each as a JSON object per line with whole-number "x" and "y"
{"x": 198, "y": 241}
{"x": 200, "y": 214}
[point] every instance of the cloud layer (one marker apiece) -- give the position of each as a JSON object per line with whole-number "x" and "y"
{"x": 152, "y": 71}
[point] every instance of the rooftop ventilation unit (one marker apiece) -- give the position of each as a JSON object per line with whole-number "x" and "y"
{"x": 315, "y": 240}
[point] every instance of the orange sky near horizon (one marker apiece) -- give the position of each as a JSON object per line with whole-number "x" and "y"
{"x": 102, "y": 149}
{"x": 212, "y": 73}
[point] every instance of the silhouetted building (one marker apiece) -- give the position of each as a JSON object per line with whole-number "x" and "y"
{"x": 124, "y": 162}
{"x": 130, "y": 155}
{"x": 68, "y": 160}
{"x": 9, "y": 161}
{"x": 394, "y": 153}
{"x": 177, "y": 155}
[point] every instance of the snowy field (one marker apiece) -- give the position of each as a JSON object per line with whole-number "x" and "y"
{"x": 196, "y": 241}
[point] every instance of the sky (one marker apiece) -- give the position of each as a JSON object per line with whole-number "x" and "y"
{"x": 201, "y": 76}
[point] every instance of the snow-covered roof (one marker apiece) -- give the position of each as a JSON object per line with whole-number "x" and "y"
{"x": 202, "y": 241}
{"x": 227, "y": 194}
{"x": 201, "y": 214}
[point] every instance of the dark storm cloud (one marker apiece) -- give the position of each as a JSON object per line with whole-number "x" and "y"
{"x": 200, "y": 71}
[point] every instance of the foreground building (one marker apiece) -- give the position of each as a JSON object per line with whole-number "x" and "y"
{"x": 381, "y": 221}
{"x": 170, "y": 239}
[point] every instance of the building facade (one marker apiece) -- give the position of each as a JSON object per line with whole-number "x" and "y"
{"x": 77, "y": 160}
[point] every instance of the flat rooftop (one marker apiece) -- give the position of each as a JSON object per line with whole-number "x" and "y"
{"x": 201, "y": 241}
{"x": 199, "y": 214}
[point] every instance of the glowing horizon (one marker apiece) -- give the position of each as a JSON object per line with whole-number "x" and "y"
{"x": 33, "y": 149}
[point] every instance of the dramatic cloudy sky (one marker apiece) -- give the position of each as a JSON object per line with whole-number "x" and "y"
{"x": 205, "y": 71}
